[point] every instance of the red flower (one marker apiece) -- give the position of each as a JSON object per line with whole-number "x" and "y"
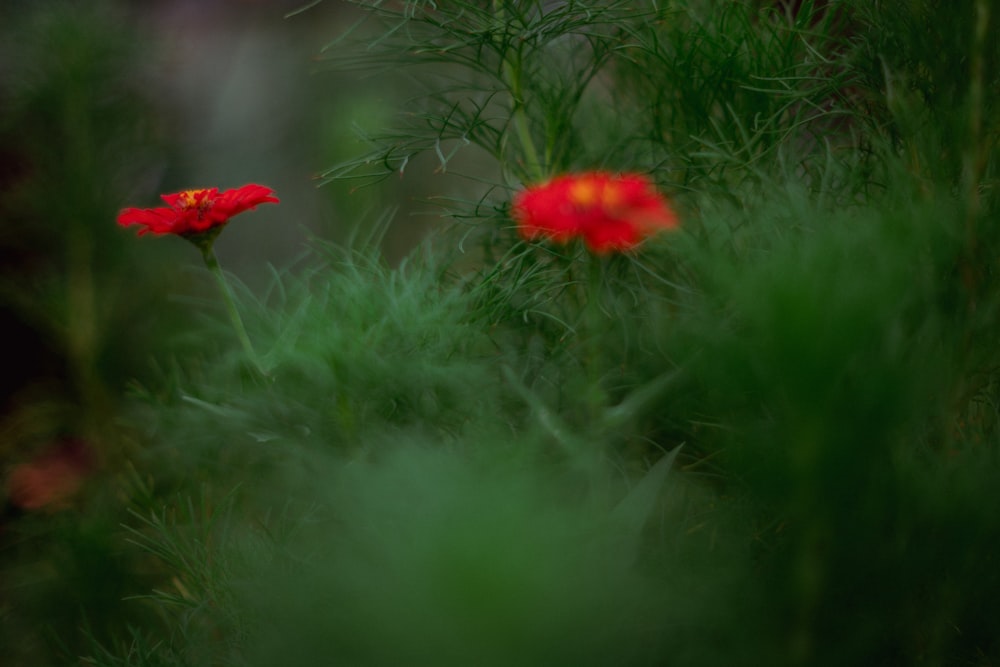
{"x": 608, "y": 212}
{"x": 51, "y": 479}
{"x": 194, "y": 212}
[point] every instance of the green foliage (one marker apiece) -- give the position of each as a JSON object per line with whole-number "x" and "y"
{"x": 510, "y": 78}
{"x": 354, "y": 351}
{"x": 427, "y": 559}
{"x": 78, "y": 134}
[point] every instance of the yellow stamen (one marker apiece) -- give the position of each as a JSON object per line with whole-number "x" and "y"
{"x": 584, "y": 193}
{"x": 611, "y": 197}
{"x": 194, "y": 198}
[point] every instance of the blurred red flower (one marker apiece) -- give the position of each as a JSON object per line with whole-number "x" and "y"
{"x": 609, "y": 212}
{"x": 51, "y": 479}
{"x": 195, "y": 212}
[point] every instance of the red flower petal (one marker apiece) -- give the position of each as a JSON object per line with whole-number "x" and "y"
{"x": 546, "y": 211}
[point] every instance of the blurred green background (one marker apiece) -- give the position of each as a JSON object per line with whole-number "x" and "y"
{"x": 106, "y": 104}
{"x": 109, "y": 104}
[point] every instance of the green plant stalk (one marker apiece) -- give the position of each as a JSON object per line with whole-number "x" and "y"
{"x": 597, "y": 401}
{"x": 212, "y": 262}
{"x": 512, "y": 76}
{"x": 534, "y": 164}
{"x": 975, "y": 158}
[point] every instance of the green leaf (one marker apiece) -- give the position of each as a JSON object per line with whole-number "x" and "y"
{"x": 632, "y": 513}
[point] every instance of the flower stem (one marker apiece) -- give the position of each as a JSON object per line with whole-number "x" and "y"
{"x": 533, "y": 162}
{"x": 595, "y": 319}
{"x": 512, "y": 76}
{"x": 974, "y": 158}
{"x": 212, "y": 262}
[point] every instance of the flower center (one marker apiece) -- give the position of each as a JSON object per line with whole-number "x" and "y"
{"x": 588, "y": 193}
{"x": 199, "y": 199}
{"x": 584, "y": 193}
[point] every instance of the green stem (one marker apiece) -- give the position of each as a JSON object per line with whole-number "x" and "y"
{"x": 594, "y": 326}
{"x": 974, "y": 156}
{"x": 521, "y": 126}
{"x": 512, "y": 75}
{"x": 595, "y": 323}
{"x": 212, "y": 262}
